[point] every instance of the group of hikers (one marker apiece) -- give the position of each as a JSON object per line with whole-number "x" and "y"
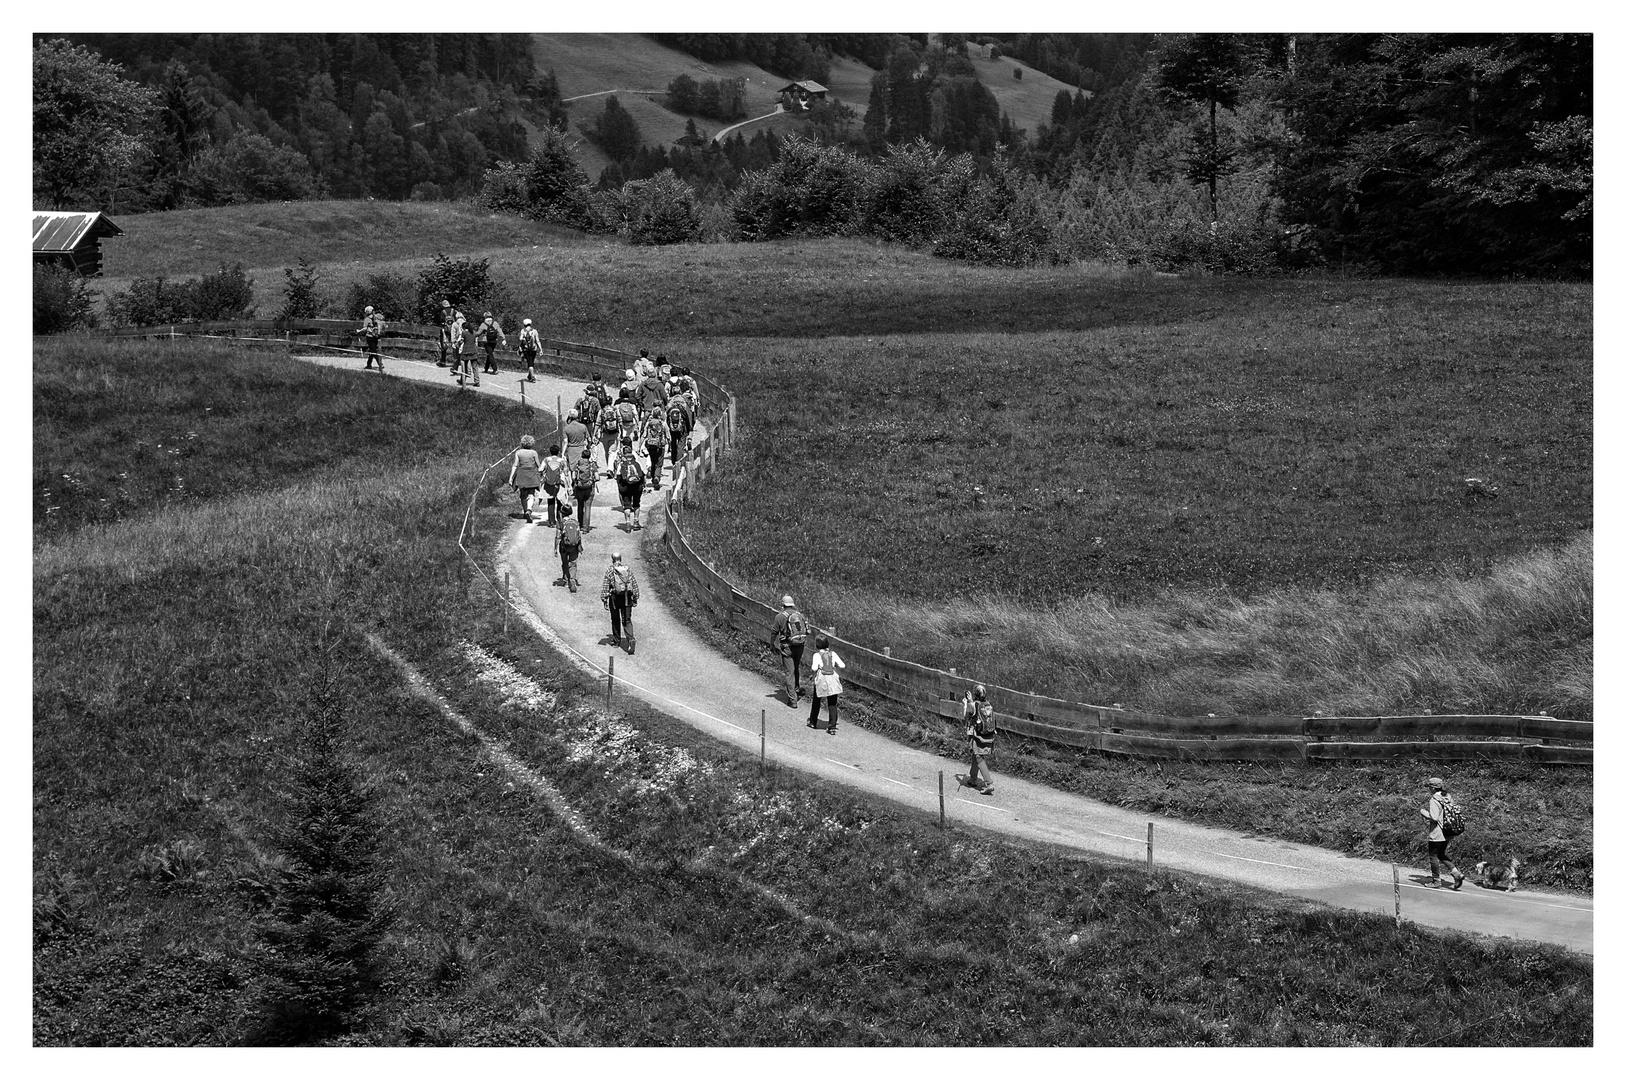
{"x": 460, "y": 340}
{"x": 645, "y": 426}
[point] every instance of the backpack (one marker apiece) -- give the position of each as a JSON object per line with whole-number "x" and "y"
{"x": 1452, "y": 821}
{"x": 655, "y": 430}
{"x": 628, "y": 414}
{"x": 620, "y": 579}
{"x": 584, "y": 474}
{"x": 587, "y": 408}
{"x": 490, "y": 334}
{"x": 628, "y": 469}
{"x": 529, "y": 340}
{"x": 677, "y": 419}
{"x": 795, "y": 627}
{"x": 570, "y": 532}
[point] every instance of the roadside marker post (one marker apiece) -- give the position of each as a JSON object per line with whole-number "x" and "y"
{"x": 1148, "y": 847}
{"x": 942, "y": 804}
{"x": 764, "y": 762}
{"x": 507, "y": 600}
{"x": 1396, "y": 868}
{"x": 609, "y": 684}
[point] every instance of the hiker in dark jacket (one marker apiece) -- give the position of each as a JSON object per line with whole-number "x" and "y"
{"x": 655, "y": 437}
{"x": 620, "y": 596}
{"x": 629, "y": 473}
{"x": 568, "y": 543}
{"x": 583, "y": 481}
{"x": 789, "y": 637}
{"x": 490, "y": 335}
{"x": 372, "y": 328}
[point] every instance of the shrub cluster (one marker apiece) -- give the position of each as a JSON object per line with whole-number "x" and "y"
{"x": 915, "y": 194}
{"x": 228, "y": 293}
{"x": 467, "y": 283}
{"x": 62, "y": 300}
{"x": 660, "y": 210}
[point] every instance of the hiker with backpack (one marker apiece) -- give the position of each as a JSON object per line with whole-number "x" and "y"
{"x": 583, "y": 481}
{"x": 651, "y": 394}
{"x": 629, "y": 473}
{"x": 620, "y": 595}
{"x": 789, "y": 638}
{"x": 446, "y": 313}
{"x": 553, "y": 477}
{"x": 490, "y": 336}
{"x": 656, "y": 435}
{"x": 372, "y": 328}
{"x": 979, "y": 712}
{"x": 530, "y": 347}
{"x": 1445, "y": 821}
{"x": 463, "y": 356}
{"x": 826, "y": 683}
{"x": 526, "y": 475}
{"x": 679, "y": 422}
{"x": 568, "y": 543}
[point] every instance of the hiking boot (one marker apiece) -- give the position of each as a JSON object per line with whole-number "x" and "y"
{"x": 530, "y": 378}
{"x": 1432, "y": 883}
{"x": 1456, "y": 885}
{"x": 989, "y": 790}
{"x": 632, "y": 646}
{"x": 476, "y": 382}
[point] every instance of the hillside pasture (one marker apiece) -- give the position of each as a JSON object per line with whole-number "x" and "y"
{"x": 174, "y": 645}
{"x": 1027, "y": 100}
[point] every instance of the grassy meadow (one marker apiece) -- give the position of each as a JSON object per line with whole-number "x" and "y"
{"x": 1197, "y": 495}
{"x": 559, "y": 875}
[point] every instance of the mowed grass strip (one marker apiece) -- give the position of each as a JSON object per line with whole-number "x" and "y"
{"x": 172, "y": 650}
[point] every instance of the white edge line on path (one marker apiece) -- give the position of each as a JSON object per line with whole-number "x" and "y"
{"x": 1505, "y": 899}
{"x": 1262, "y": 862}
{"x": 985, "y": 806}
{"x": 833, "y": 761}
{"x": 900, "y": 783}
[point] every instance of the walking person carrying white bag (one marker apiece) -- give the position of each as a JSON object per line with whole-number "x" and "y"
{"x": 826, "y": 683}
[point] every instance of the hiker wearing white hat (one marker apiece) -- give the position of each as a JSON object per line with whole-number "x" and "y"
{"x": 789, "y": 637}
{"x": 372, "y": 328}
{"x": 530, "y": 345}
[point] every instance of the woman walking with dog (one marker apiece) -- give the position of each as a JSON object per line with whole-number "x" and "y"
{"x": 1445, "y": 822}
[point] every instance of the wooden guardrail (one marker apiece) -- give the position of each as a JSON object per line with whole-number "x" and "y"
{"x": 1094, "y": 727}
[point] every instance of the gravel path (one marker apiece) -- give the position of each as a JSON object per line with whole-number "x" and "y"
{"x": 675, "y": 671}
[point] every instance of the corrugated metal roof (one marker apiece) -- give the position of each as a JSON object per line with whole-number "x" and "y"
{"x": 56, "y": 230}
{"x": 806, "y": 84}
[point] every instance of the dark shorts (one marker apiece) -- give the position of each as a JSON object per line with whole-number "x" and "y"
{"x": 1436, "y": 848}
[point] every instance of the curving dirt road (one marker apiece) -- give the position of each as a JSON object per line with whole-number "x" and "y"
{"x": 676, "y": 672}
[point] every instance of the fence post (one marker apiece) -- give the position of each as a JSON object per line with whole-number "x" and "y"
{"x": 942, "y": 812}
{"x": 1148, "y": 847}
{"x": 609, "y": 685}
{"x": 507, "y": 598}
{"x": 764, "y": 761}
{"x": 1395, "y": 867}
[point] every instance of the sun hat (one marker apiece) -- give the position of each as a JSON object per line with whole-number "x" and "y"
{"x": 1435, "y": 782}
{"x": 368, "y": 310}
{"x": 788, "y": 602}
{"x": 527, "y": 322}
{"x": 445, "y": 303}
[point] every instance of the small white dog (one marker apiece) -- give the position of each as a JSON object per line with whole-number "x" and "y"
{"x": 1506, "y": 877}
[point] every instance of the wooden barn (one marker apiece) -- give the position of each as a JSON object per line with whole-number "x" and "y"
{"x": 73, "y": 240}
{"x": 801, "y": 94}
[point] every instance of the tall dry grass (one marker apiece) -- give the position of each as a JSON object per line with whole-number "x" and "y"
{"x": 1516, "y": 639}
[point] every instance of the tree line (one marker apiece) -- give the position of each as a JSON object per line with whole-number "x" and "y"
{"x": 1412, "y": 153}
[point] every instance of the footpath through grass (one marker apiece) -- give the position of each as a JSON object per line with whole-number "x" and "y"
{"x": 174, "y": 643}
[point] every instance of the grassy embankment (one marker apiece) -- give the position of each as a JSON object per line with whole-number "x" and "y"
{"x": 1273, "y": 468}
{"x": 173, "y": 643}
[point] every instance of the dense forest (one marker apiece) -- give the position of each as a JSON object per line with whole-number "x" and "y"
{"x": 1239, "y": 153}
